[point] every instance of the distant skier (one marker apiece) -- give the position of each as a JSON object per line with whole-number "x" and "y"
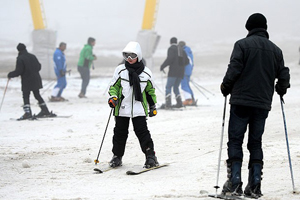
{"x": 85, "y": 64}
{"x": 175, "y": 75}
{"x": 28, "y": 68}
{"x": 131, "y": 91}
{"x": 60, "y": 69}
{"x": 185, "y": 82}
{"x": 254, "y": 65}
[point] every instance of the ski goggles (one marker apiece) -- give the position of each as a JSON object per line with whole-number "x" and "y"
{"x": 132, "y": 56}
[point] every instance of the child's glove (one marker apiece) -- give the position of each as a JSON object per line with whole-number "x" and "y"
{"x": 153, "y": 111}
{"x": 112, "y": 102}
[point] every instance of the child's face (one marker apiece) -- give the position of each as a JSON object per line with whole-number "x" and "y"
{"x": 131, "y": 61}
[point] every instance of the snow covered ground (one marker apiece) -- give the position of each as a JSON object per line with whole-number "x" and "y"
{"x": 60, "y": 151}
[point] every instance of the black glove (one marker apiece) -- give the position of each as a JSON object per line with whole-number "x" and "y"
{"x": 62, "y": 72}
{"x": 225, "y": 91}
{"x": 113, "y": 101}
{"x": 280, "y": 90}
{"x": 153, "y": 111}
{"x": 161, "y": 68}
{"x": 9, "y": 75}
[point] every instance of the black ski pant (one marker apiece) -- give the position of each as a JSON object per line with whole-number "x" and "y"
{"x": 121, "y": 134}
{"x": 37, "y": 96}
{"x": 240, "y": 118}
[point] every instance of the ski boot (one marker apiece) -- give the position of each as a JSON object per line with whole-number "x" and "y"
{"x": 44, "y": 111}
{"x": 116, "y": 161}
{"x": 178, "y": 102}
{"x": 187, "y": 102}
{"x": 252, "y": 189}
{"x": 27, "y": 114}
{"x": 233, "y": 185}
{"x": 151, "y": 160}
{"x": 168, "y": 104}
{"x": 81, "y": 95}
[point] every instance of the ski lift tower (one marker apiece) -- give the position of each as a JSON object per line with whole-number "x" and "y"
{"x": 147, "y": 37}
{"x": 44, "y": 40}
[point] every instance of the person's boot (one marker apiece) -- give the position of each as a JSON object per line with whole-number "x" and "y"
{"x": 178, "y": 102}
{"x": 168, "y": 103}
{"x": 27, "y": 114}
{"x": 116, "y": 161}
{"x": 233, "y": 185}
{"x": 44, "y": 111}
{"x": 254, "y": 180}
{"x": 81, "y": 95}
{"x": 187, "y": 102}
{"x": 151, "y": 160}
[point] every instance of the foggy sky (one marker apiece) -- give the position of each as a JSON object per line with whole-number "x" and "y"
{"x": 114, "y": 23}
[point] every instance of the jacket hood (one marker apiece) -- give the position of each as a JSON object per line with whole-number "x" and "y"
{"x": 134, "y": 47}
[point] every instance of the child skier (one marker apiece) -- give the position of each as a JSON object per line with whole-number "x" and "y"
{"x": 131, "y": 91}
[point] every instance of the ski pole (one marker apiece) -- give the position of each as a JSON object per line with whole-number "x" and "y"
{"x": 287, "y": 143}
{"x": 48, "y": 86}
{"x": 97, "y": 161}
{"x": 4, "y": 94}
{"x": 156, "y": 86}
{"x": 221, "y": 143}
{"x": 203, "y": 88}
{"x": 107, "y": 88}
{"x": 199, "y": 89}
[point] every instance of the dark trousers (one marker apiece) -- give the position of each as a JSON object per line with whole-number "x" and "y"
{"x": 37, "y": 96}
{"x": 121, "y": 134}
{"x": 173, "y": 82}
{"x": 85, "y": 76}
{"x": 240, "y": 118}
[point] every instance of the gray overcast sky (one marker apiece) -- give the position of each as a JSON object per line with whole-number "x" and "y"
{"x": 115, "y": 22}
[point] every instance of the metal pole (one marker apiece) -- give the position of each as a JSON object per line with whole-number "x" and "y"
{"x": 199, "y": 89}
{"x": 97, "y": 161}
{"x": 221, "y": 144}
{"x": 287, "y": 143}
{"x": 4, "y": 94}
{"x": 203, "y": 88}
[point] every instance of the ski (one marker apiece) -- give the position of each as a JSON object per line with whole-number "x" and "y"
{"x": 145, "y": 170}
{"x": 33, "y": 118}
{"x": 54, "y": 101}
{"x": 52, "y": 115}
{"x": 58, "y": 116}
{"x": 172, "y": 108}
{"x": 228, "y": 197}
{"x": 99, "y": 171}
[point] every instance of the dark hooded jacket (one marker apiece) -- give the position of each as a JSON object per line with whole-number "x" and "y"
{"x": 254, "y": 65}
{"x": 28, "y": 68}
{"x": 175, "y": 70}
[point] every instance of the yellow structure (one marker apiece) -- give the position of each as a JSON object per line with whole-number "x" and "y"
{"x": 36, "y": 13}
{"x": 150, "y": 14}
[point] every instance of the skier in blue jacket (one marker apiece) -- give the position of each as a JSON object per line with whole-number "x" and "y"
{"x": 60, "y": 68}
{"x": 185, "y": 82}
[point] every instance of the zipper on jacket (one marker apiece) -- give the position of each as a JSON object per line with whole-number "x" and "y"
{"x": 132, "y": 102}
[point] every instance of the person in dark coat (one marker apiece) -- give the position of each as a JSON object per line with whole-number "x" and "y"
{"x": 28, "y": 68}
{"x": 175, "y": 74}
{"x": 254, "y": 66}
